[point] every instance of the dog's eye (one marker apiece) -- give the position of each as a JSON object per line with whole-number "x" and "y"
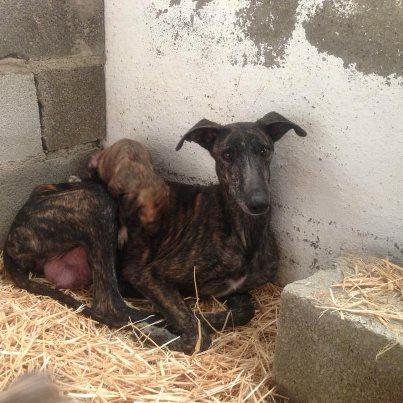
{"x": 227, "y": 155}
{"x": 263, "y": 150}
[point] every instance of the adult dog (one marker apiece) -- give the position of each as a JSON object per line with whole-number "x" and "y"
{"x": 214, "y": 239}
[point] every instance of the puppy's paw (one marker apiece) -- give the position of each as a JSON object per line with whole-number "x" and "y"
{"x": 74, "y": 179}
{"x": 122, "y": 237}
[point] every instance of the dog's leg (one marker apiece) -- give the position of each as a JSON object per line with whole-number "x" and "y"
{"x": 108, "y": 307}
{"x": 194, "y": 333}
{"x": 241, "y": 310}
{"x": 107, "y": 301}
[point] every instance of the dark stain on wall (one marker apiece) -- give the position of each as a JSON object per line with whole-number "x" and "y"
{"x": 269, "y": 24}
{"x": 370, "y": 36}
{"x": 199, "y": 3}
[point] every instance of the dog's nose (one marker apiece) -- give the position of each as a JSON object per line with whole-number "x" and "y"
{"x": 258, "y": 203}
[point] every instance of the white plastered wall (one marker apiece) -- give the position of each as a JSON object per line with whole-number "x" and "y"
{"x": 339, "y": 188}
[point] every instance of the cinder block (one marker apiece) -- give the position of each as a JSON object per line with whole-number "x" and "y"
{"x": 37, "y": 29}
{"x": 321, "y": 357}
{"x": 20, "y": 131}
{"x": 72, "y": 106}
{"x": 18, "y": 179}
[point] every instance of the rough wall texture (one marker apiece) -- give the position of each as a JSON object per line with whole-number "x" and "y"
{"x": 52, "y": 93}
{"x": 332, "y": 66}
{"x": 73, "y": 105}
{"x": 20, "y": 130}
{"x": 37, "y": 29}
{"x": 374, "y": 28}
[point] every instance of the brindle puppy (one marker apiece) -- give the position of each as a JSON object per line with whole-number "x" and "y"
{"x": 127, "y": 170}
{"x": 216, "y": 238}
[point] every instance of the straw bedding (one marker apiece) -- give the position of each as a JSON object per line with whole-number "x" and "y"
{"x": 371, "y": 287}
{"x": 90, "y": 362}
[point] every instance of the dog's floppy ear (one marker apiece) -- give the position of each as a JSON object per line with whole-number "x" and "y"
{"x": 203, "y": 133}
{"x": 92, "y": 166}
{"x": 94, "y": 160}
{"x": 275, "y": 125}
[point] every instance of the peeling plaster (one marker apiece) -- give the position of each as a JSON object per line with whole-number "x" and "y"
{"x": 198, "y": 3}
{"x": 164, "y": 74}
{"x": 366, "y": 33}
{"x": 269, "y": 24}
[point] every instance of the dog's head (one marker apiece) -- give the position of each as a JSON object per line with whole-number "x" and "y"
{"x": 242, "y": 152}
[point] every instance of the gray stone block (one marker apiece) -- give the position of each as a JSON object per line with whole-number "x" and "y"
{"x": 37, "y": 29}
{"x": 72, "y": 106}
{"x": 321, "y": 357}
{"x": 18, "y": 179}
{"x": 20, "y": 131}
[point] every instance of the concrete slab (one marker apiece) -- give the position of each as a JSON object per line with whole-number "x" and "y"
{"x": 320, "y": 357}
{"x": 72, "y": 106}
{"x": 18, "y": 179}
{"x": 39, "y": 29}
{"x": 20, "y": 130}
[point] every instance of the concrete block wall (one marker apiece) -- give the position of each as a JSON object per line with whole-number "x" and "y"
{"x": 52, "y": 94}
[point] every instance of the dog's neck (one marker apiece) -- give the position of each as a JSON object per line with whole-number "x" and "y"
{"x": 249, "y": 228}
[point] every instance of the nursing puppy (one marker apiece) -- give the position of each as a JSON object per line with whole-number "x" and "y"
{"x": 128, "y": 173}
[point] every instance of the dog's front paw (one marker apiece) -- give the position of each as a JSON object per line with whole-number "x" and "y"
{"x": 193, "y": 343}
{"x": 241, "y": 307}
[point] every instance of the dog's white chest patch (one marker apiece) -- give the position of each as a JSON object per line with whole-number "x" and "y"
{"x": 235, "y": 284}
{"x": 232, "y": 285}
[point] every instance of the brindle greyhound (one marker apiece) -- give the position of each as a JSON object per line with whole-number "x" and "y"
{"x": 209, "y": 237}
{"x": 216, "y": 238}
{"x": 69, "y": 232}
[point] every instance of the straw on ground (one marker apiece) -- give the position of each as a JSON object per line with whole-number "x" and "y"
{"x": 371, "y": 287}
{"x": 90, "y": 362}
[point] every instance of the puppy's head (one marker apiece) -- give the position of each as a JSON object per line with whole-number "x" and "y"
{"x": 152, "y": 203}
